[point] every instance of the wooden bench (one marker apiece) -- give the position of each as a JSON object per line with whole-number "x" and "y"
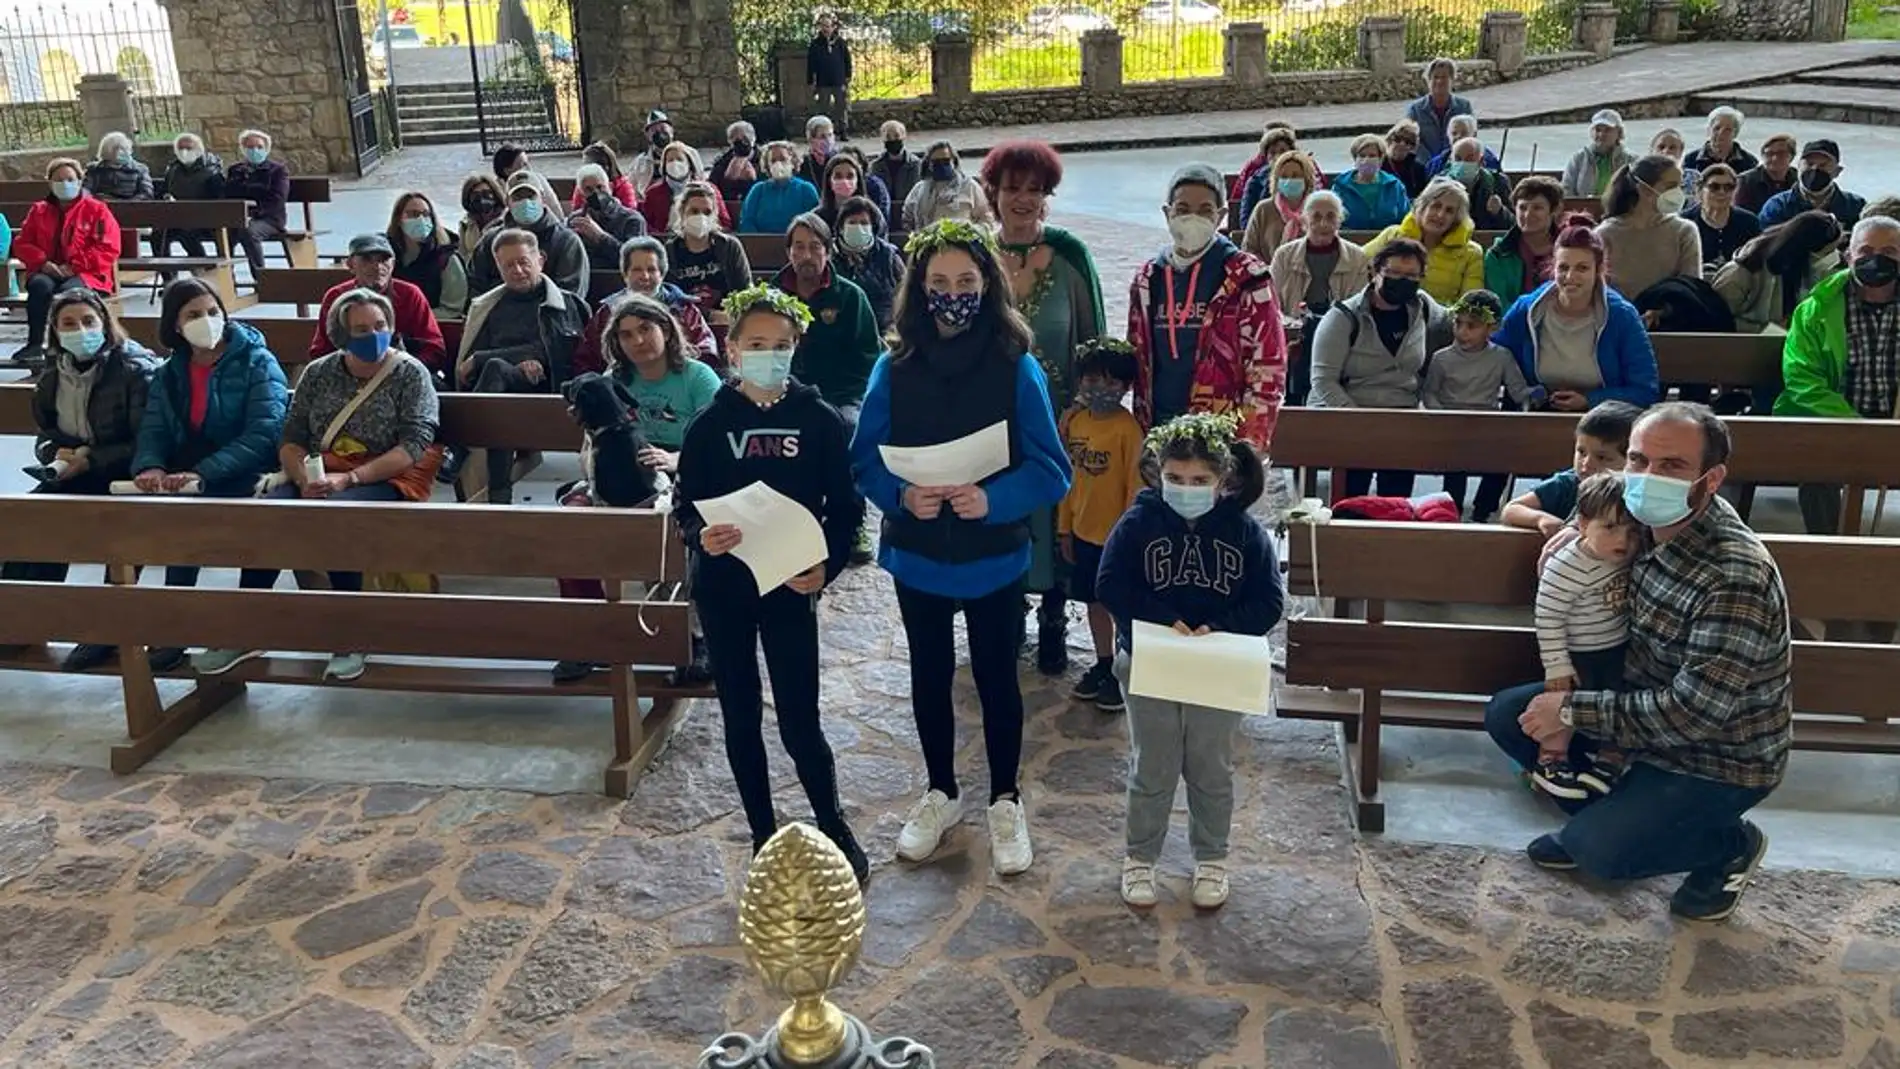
{"x": 1860, "y": 454}
{"x": 216, "y": 216}
{"x": 288, "y": 338}
{"x": 305, "y": 286}
{"x": 1375, "y": 671}
{"x": 611, "y": 544}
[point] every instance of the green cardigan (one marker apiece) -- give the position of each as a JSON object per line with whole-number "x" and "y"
{"x": 1814, "y": 358}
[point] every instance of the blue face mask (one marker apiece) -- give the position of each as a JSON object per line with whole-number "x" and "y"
{"x": 1462, "y": 170}
{"x": 84, "y": 344}
{"x": 1100, "y": 400}
{"x": 942, "y": 170}
{"x": 369, "y": 348}
{"x": 766, "y": 369}
{"x": 124, "y": 157}
{"x": 953, "y": 309}
{"x": 418, "y": 228}
{"x": 1657, "y": 500}
{"x": 526, "y": 212}
{"x": 1191, "y": 502}
{"x": 66, "y": 189}
{"x": 256, "y": 155}
{"x": 1291, "y": 188}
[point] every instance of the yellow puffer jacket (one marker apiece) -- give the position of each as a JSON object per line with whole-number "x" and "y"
{"x": 1452, "y": 269}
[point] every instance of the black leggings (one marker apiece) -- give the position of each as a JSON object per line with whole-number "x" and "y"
{"x": 786, "y": 622}
{"x": 994, "y": 622}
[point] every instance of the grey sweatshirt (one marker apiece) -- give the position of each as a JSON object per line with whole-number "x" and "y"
{"x": 1457, "y": 379}
{"x": 1359, "y": 372}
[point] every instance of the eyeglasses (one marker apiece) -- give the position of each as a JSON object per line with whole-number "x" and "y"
{"x": 1404, "y": 141}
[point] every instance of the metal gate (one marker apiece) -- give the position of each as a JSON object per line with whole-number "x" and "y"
{"x": 364, "y": 136}
{"x": 530, "y": 86}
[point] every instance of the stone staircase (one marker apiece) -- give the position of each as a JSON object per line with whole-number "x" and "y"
{"x": 446, "y": 115}
{"x": 1866, "y": 94}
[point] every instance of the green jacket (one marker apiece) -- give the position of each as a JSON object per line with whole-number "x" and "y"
{"x": 1504, "y": 268}
{"x": 1814, "y": 359}
{"x": 837, "y": 353}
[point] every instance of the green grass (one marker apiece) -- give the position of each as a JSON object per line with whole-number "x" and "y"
{"x": 1866, "y": 23}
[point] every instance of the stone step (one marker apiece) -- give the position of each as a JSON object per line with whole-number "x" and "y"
{"x": 456, "y": 111}
{"x": 1868, "y": 76}
{"x": 467, "y": 122}
{"x": 1810, "y": 102}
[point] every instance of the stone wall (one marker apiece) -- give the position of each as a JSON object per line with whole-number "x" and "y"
{"x": 1771, "y": 20}
{"x": 676, "y": 55}
{"x": 1277, "y": 90}
{"x": 269, "y": 64}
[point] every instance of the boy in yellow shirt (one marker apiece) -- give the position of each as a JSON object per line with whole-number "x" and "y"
{"x": 1104, "y": 442}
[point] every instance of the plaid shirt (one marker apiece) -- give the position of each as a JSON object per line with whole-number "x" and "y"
{"x": 1873, "y": 355}
{"x": 1706, "y": 681}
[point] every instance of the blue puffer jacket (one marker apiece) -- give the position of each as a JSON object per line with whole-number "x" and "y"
{"x": 1624, "y": 354}
{"x": 244, "y": 417}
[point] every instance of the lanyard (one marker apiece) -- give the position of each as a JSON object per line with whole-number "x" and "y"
{"x": 1177, "y": 321}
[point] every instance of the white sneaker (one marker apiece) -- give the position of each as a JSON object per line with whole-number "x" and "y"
{"x": 1210, "y": 885}
{"x": 1010, "y": 852}
{"x": 345, "y": 666}
{"x": 934, "y": 814}
{"x": 1138, "y": 883}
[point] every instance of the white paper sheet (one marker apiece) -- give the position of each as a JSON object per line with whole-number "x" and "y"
{"x": 1218, "y": 670}
{"x": 779, "y": 537}
{"x": 961, "y": 462}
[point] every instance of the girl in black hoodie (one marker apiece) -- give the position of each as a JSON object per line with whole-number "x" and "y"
{"x": 764, "y": 426}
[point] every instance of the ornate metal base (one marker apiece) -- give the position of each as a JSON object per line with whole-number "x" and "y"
{"x": 736, "y": 1050}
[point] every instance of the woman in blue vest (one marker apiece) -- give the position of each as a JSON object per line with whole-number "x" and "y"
{"x": 961, "y": 363}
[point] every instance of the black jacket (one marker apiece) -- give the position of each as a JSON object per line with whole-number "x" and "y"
{"x": 798, "y": 447}
{"x": 828, "y": 62}
{"x": 114, "y": 409}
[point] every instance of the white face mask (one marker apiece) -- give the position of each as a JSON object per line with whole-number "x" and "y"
{"x": 696, "y": 226}
{"x": 1670, "y": 201}
{"x": 780, "y": 169}
{"x": 204, "y": 333}
{"x": 1191, "y": 233}
{"x": 678, "y": 170}
{"x": 189, "y": 156}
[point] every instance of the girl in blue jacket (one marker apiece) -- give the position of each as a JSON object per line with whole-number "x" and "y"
{"x": 961, "y": 363}
{"x": 1578, "y": 338}
{"x": 1188, "y": 556}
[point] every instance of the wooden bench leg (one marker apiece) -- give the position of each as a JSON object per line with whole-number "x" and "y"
{"x": 301, "y": 252}
{"x": 151, "y": 728}
{"x": 1363, "y": 770}
{"x": 637, "y": 740}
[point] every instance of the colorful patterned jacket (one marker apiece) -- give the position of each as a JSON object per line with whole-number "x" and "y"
{"x": 1240, "y": 362}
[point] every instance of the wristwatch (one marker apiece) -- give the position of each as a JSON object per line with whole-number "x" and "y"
{"x": 1567, "y": 714}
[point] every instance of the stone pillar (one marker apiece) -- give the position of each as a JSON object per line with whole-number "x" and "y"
{"x": 1246, "y": 53}
{"x": 950, "y": 62}
{"x": 270, "y": 64}
{"x": 105, "y": 105}
{"x": 1382, "y": 45}
{"x": 1101, "y": 61}
{"x": 1665, "y": 21}
{"x": 794, "y": 90}
{"x": 681, "y": 56}
{"x": 1596, "y": 29}
{"x": 1502, "y": 39}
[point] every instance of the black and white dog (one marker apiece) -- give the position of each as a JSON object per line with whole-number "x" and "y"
{"x": 610, "y": 459}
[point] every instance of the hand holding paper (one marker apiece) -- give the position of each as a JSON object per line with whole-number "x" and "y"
{"x": 963, "y": 461}
{"x": 1202, "y": 667}
{"x": 778, "y": 537}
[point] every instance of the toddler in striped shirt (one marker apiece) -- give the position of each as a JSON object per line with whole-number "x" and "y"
{"x": 1582, "y": 619}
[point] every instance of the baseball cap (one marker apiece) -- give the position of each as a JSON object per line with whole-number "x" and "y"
{"x": 1822, "y": 146}
{"x": 377, "y": 244}
{"x": 1607, "y": 117}
{"x": 521, "y": 180}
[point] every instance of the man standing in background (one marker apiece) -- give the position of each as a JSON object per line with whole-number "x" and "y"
{"x": 828, "y": 67}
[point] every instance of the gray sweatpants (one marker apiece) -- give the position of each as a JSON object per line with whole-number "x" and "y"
{"x": 1167, "y": 740}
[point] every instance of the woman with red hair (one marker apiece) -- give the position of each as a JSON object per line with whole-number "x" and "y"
{"x": 1578, "y": 338}
{"x": 1054, "y": 284}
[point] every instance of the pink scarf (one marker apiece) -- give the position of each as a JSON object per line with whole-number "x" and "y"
{"x": 1290, "y": 215}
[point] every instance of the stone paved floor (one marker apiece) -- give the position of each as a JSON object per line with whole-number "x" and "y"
{"x": 222, "y": 922}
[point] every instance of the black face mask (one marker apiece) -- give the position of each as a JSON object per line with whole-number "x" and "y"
{"x": 1814, "y": 180}
{"x": 1877, "y": 270}
{"x": 599, "y": 200}
{"x": 484, "y": 206}
{"x": 661, "y": 140}
{"x": 894, "y": 147}
{"x": 742, "y": 148}
{"x": 1398, "y": 291}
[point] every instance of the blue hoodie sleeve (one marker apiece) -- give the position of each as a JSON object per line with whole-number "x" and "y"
{"x": 1256, "y": 607}
{"x": 1122, "y": 583}
{"x": 266, "y": 403}
{"x": 1515, "y": 334}
{"x": 1042, "y": 477}
{"x": 158, "y": 427}
{"x": 875, "y": 481}
{"x": 1628, "y": 360}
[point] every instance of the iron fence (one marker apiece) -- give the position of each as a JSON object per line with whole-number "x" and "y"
{"x": 45, "y": 48}
{"x": 1028, "y": 44}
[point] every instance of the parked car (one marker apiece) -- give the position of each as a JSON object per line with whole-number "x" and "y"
{"x": 1052, "y": 21}
{"x": 1189, "y": 12}
{"x": 388, "y": 37}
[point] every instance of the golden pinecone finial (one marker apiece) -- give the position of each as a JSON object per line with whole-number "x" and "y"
{"x": 801, "y": 921}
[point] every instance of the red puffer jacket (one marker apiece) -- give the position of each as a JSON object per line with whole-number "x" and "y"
{"x": 85, "y": 238}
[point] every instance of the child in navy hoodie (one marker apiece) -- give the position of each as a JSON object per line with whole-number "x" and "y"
{"x": 764, "y": 426}
{"x": 1188, "y": 556}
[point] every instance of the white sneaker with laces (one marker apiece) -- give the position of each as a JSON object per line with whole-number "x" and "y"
{"x": 1210, "y": 885}
{"x": 1138, "y": 883}
{"x": 934, "y": 814}
{"x": 1010, "y": 852}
